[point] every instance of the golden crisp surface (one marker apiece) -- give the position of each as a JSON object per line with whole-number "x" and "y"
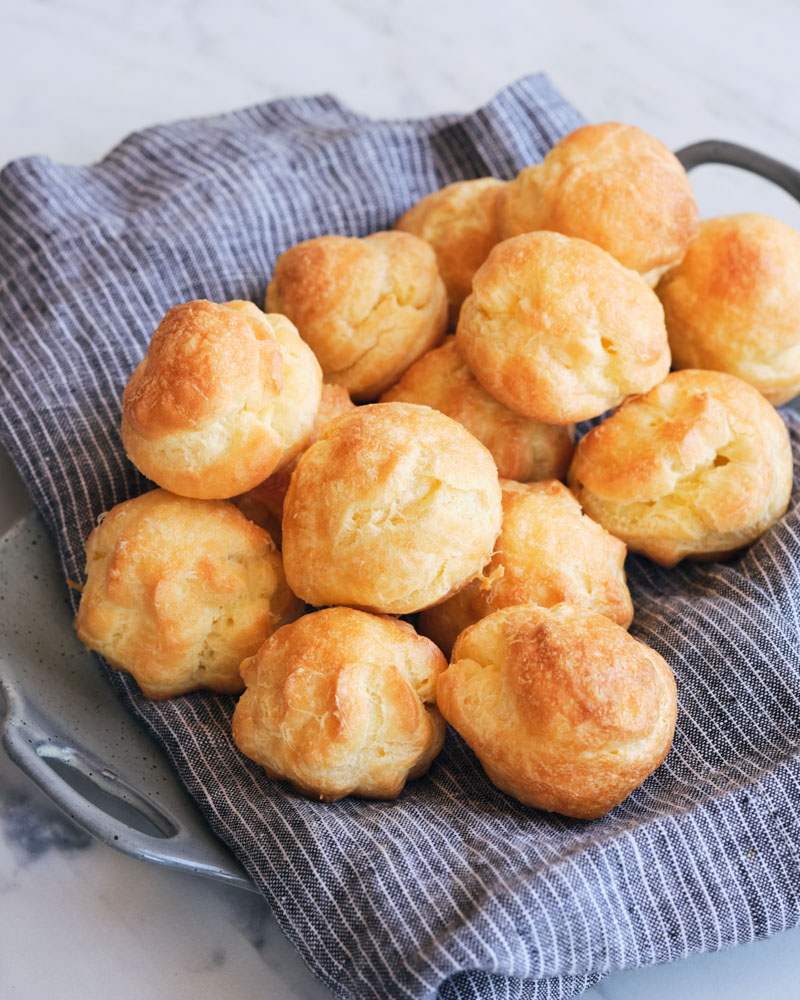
{"x": 460, "y": 223}
{"x": 698, "y": 467}
{"x": 366, "y": 307}
{"x": 613, "y": 185}
{"x": 223, "y": 396}
{"x": 342, "y": 703}
{"x": 548, "y": 552}
{"x": 179, "y": 591}
{"x": 394, "y": 508}
{"x": 733, "y": 303}
{"x": 563, "y": 708}
{"x": 523, "y": 449}
{"x": 558, "y": 330}
{"x": 264, "y": 503}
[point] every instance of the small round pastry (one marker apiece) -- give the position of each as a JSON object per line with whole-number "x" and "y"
{"x": 558, "y": 330}
{"x": 367, "y": 307}
{"x": 548, "y": 553}
{"x": 523, "y": 449}
{"x": 733, "y": 304}
{"x": 460, "y": 223}
{"x": 264, "y": 503}
{"x": 224, "y": 396}
{"x": 179, "y": 591}
{"x": 394, "y": 508}
{"x": 564, "y": 709}
{"x": 342, "y": 703}
{"x": 697, "y": 468}
{"x": 613, "y": 185}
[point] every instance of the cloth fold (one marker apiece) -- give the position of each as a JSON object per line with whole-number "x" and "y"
{"x": 453, "y": 890}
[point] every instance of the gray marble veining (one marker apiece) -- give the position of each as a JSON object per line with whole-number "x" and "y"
{"x": 32, "y": 827}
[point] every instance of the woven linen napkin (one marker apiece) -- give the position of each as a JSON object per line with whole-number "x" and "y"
{"x": 453, "y": 890}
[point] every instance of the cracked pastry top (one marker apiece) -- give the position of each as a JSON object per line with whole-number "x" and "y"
{"x": 548, "y": 552}
{"x": 342, "y": 703}
{"x": 523, "y": 449}
{"x": 394, "y": 508}
{"x": 564, "y": 709}
{"x": 696, "y": 468}
{"x": 733, "y": 303}
{"x": 179, "y": 591}
{"x": 613, "y": 185}
{"x": 558, "y": 330}
{"x": 367, "y": 307}
{"x": 223, "y": 397}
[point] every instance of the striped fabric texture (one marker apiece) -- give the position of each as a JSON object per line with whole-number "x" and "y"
{"x": 453, "y": 890}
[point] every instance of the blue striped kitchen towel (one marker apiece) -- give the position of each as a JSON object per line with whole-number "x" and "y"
{"x": 453, "y": 890}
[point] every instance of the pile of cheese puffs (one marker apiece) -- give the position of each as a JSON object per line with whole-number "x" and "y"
{"x": 372, "y": 517}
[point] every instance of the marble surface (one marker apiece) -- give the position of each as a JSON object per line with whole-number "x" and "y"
{"x": 78, "y": 919}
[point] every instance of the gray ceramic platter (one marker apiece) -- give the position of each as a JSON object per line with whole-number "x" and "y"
{"x": 67, "y": 730}
{"x": 63, "y": 723}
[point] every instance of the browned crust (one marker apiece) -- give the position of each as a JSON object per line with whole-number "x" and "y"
{"x": 395, "y": 507}
{"x": 733, "y": 303}
{"x": 613, "y": 185}
{"x": 178, "y": 591}
{"x": 223, "y": 396}
{"x": 367, "y": 307}
{"x": 523, "y": 449}
{"x": 264, "y": 503}
{"x": 342, "y": 703}
{"x": 460, "y": 223}
{"x": 559, "y": 331}
{"x": 698, "y": 468}
{"x": 548, "y": 552}
{"x": 564, "y": 709}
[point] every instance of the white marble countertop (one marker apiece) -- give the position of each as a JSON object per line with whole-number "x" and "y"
{"x": 80, "y": 920}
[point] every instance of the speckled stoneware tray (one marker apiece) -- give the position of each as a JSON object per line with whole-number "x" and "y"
{"x": 64, "y": 725}
{"x": 67, "y": 730}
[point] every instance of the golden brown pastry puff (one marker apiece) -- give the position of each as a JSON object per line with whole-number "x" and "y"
{"x": 523, "y": 449}
{"x": 733, "y": 304}
{"x": 698, "y": 467}
{"x": 179, "y": 591}
{"x": 563, "y": 708}
{"x": 548, "y": 552}
{"x": 264, "y": 503}
{"x": 366, "y": 307}
{"x": 558, "y": 330}
{"x": 224, "y": 396}
{"x": 613, "y": 185}
{"x": 342, "y": 703}
{"x": 394, "y": 508}
{"x": 460, "y": 223}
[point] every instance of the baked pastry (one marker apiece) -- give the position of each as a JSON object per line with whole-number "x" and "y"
{"x": 558, "y": 330}
{"x": 613, "y": 185}
{"x": 547, "y": 553}
{"x": 178, "y": 592}
{"x": 698, "y": 467}
{"x": 733, "y": 303}
{"x": 460, "y": 223}
{"x": 224, "y": 396}
{"x": 342, "y": 703}
{"x": 564, "y": 709}
{"x": 366, "y": 307}
{"x": 264, "y": 503}
{"x": 394, "y": 508}
{"x": 523, "y": 449}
